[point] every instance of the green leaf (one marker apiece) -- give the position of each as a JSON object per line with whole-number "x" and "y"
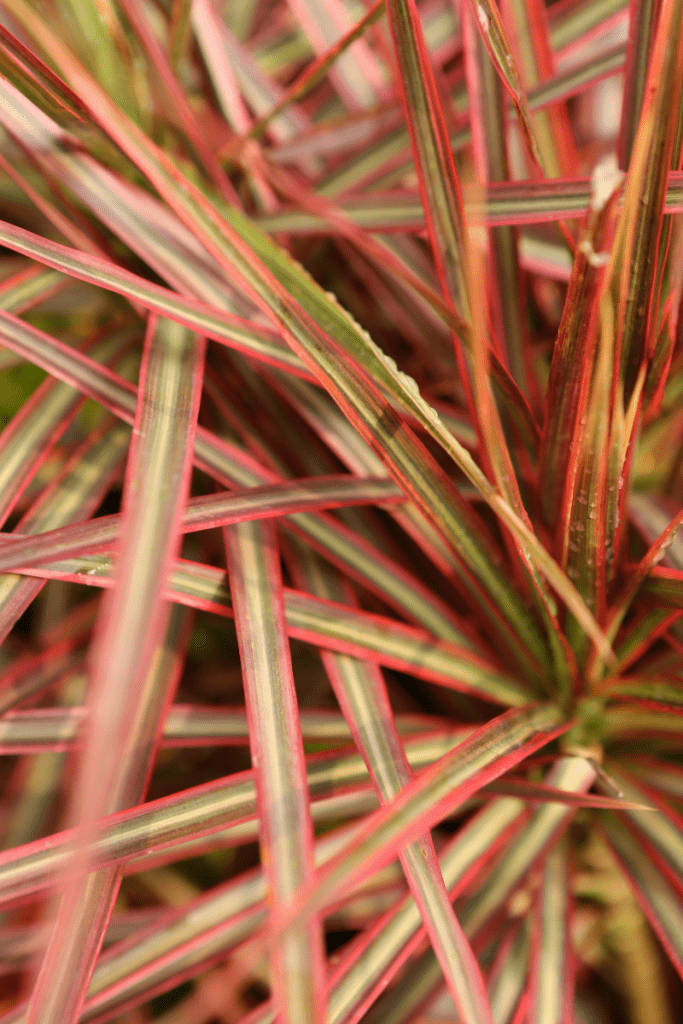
{"x": 286, "y": 834}
{"x": 127, "y": 695}
{"x": 660, "y": 903}
{"x": 491, "y": 750}
{"x": 490, "y": 24}
{"x": 363, "y": 698}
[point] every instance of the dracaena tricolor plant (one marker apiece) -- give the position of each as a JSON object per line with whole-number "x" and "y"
{"x": 341, "y": 466}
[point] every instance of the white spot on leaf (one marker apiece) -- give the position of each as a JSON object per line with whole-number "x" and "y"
{"x": 605, "y": 180}
{"x": 596, "y": 259}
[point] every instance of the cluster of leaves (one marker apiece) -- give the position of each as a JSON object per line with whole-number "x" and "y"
{"x": 341, "y": 351}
